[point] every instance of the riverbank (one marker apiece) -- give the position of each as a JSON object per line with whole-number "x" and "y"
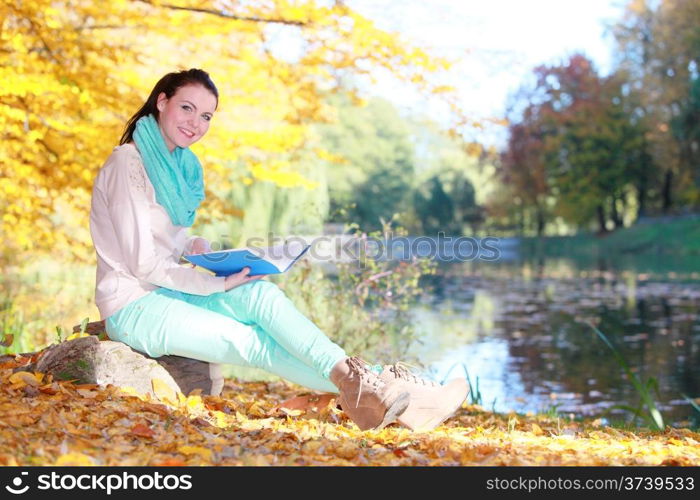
{"x": 661, "y": 236}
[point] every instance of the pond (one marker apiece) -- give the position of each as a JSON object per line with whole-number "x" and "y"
{"x": 521, "y": 326}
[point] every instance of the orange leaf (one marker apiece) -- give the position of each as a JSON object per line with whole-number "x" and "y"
{"x": 170, "y": 462}
{"x": 156, "y": 408}
{"x": 143, "y": 431}
{"x": 48, "y": 389}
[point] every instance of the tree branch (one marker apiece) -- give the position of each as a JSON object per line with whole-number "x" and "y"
{"x": 226, "y": 15}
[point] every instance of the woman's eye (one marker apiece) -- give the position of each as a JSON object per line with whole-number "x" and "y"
{"x": 186, "y": 107}
{"x": 207, "y": 118}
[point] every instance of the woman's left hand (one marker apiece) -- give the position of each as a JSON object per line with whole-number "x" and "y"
{"x": 200, "y": 245}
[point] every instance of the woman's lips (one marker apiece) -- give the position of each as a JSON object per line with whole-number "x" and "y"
{"x": 187, "y": 134}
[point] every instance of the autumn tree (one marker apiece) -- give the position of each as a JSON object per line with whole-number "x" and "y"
{"x": 523, "y": 167}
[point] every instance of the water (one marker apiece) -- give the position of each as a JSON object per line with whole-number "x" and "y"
{"x": 520, "y": 326}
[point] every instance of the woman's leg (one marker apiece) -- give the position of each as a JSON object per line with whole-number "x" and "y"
{"x": 165, "y": 322}
{"x": 264, "y": 304}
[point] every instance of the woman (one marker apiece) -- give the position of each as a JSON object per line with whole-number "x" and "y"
{"x": 144, "y": 198}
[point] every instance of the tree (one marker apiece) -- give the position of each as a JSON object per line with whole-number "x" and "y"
{"x": 523, "y": 166}
{"x": 373, "y": 169}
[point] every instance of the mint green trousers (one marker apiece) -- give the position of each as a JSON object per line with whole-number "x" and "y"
{"x": 254, "y": 324}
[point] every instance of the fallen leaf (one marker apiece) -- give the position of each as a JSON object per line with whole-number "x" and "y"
{"x": 143, "y": 431}
{"x": 74, "y": 459}
{"x": 26, "y": 378}
{"x": 77, "y": 336}
{"x": 170, "y": 462}
{"x": 49, "y": 388}
{"x": 536, "y": 429}
{"x": 205, "y": 453}
{"x": 164, "y": 392}
{"x": 301, "y": 404}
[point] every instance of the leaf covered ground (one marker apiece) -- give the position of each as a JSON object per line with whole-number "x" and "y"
{"x": 47, "y": 422}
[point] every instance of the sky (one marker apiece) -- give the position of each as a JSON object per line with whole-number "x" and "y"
{"x": 498, "y": 43}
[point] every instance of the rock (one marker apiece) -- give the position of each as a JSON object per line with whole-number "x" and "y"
{"x": 91, "y": 361}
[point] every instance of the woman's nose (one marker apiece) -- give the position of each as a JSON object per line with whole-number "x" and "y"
{"x": 193, "y": 122}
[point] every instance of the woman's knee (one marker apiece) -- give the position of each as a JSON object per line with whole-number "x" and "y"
{"x": 254, "y": 297}
{"x": 263, "y": 291}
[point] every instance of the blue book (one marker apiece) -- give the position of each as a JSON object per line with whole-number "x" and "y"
{"x": 269, "y": 260}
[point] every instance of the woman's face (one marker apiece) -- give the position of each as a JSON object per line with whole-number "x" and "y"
{"x": 185, "y": 117}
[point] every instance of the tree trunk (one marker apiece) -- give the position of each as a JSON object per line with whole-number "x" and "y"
{"x": 540, "y": 222}
{"x": 601, "y": 219}
{"x": 668, "y": 191}
{"x": 614, "y": 213}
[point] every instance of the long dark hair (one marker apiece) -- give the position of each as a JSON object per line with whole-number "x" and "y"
{"x": 168, "y": 85}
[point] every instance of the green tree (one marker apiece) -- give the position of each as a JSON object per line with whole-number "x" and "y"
{"x": 373, "y": 173}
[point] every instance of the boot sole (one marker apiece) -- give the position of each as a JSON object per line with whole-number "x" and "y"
{"x": 395, "y": 410}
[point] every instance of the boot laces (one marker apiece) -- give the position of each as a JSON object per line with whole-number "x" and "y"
{"x": 401, "y": 370}
{"x": 361, "y": 369}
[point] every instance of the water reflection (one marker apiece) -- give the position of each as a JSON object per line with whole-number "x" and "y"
{"x": 521, "y": 328}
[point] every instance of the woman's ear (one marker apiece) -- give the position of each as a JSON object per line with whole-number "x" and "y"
{"x": 161, "y": 101}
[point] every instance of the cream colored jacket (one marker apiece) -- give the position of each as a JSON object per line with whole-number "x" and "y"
{"x": 138, "y": 248}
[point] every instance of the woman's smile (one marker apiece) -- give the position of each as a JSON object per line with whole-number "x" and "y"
{"x": 186, "y": 132}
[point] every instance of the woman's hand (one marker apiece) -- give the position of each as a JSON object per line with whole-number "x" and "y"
{"x": 200, "y": 245}
{"x": 241, "y": 278}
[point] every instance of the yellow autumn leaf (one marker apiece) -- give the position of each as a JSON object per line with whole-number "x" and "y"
{"x": 536, "y": 429}
{"x": 221, "y": 420}
{"x": 26, "y": 378}
{"x": 194, "y": 403}
{"x": 195, "y": 450}
{"x": 164, "y": 392}
{"x": 77, "y": 335}
{"x": 131, "y": 391}
{"x": 74, "y": 459}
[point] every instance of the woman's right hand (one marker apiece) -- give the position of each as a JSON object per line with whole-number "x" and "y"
{"x": 241, "y": 278}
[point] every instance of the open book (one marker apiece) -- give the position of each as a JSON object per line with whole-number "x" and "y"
{"x": 269, "y": 260}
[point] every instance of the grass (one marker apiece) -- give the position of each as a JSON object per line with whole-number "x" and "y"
{"x": 647, "y": 409}
{"x": 679, "y": 237}
{"x": 474, "y": 391}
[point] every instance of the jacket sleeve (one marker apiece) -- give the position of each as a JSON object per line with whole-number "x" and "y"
{"x": 129, "y": 208}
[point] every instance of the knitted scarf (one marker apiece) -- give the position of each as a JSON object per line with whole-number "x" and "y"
{"x": 176, "y": 177}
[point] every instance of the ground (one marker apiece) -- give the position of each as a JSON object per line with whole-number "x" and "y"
{"x": 46, "y": 422}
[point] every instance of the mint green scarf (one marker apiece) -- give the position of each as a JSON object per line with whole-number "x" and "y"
{"x": 176, "y": 177}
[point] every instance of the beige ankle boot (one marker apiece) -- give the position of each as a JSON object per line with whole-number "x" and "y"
{"x": 369, "y": 401}
{"x": 431, "y": 403}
